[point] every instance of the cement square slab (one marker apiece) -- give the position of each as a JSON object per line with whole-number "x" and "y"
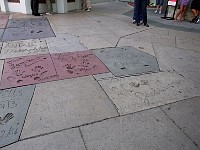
{"x": 28, "y": 70}
{"x": 77, "y": 64}
{"x": 3, "y": 21}
{"x": 99, "y": 41}
{"x": 147, "y": 130}
{"x": 185, "y": 62}
{"x": 14, "y": 104}
{"x": 123, "y": 61}
{"x": 27, "y": 22}
{"x": 64, "y": 43}
{"x": 1, "y": 34}
{"x": 186, "y": 115}
{"x": 14, "y": 34}
{"x": 140, "y": 45}
{"x": 23, "y": 48}
{"x": 132, "y": 94}
{"x": 65, "y": 140}
{"x": 66, "y": 104}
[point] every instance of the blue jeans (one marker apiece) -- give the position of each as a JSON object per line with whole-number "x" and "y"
{"x": 135, "y": 12}
{"x": 141, "y": 9}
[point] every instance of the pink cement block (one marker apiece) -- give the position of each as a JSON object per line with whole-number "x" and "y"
{"x": 77, "y": 64}
{"x": 28, "y": 70}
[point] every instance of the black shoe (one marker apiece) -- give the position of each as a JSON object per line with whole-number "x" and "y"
{"x": 38, "y": 14}
{"x": 145, "y": 24}
{"x": 138, "y": 24}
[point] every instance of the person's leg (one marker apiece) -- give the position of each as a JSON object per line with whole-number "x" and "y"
{"x": 35, "y": 6}
{"x": 88, "y": 3}
{"x": 179, "y": 12}
{"x": 134, "y": 11}
{"x": 182, "y": 13}
{"x": 49, "y": 6}
{"x": 32, "y": 6}
{"x": 144, "y": 12}
{"x": 157, "y": 6}
{"x": 137, "y": 4}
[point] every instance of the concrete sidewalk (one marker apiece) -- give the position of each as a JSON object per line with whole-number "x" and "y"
{"x": 95, "y": 81}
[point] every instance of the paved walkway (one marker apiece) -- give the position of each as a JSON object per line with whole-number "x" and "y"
{"x": 84, "y": 81}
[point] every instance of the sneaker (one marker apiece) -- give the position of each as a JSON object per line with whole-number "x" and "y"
{"x": 156, "y": 11}
{"x": 48, "y": 13}
{"x": 145, "y": 24}
{"x": 89, "y": 9}
{"x": 198, "y": 20}
{"x": 160, "y": 12}
{"x": 134, "y": 21}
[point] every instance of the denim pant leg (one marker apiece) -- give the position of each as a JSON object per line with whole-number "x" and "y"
{"x": 144, "y": 10}
{"x": 135, "y": 11}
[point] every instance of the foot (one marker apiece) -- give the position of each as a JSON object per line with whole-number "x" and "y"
{"x": 89, "y": 9}
{"x": 48, "y": 13}
{"x": 38, "y": 14}
{"x": 134, "y": 21}
{"x": 160, "y": 12}
{"x": 145, "y": 24}
{"x": 138, "y": 24}
{"x": 156, "y": 11}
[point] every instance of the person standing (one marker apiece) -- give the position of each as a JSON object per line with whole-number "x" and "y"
{"x": 35, "y": 7}
{"x": 141, "y": 7}
{"x": 195, "y": 8}
{"x": 181, "y": 11}
{"x": 159, "y": 5}
{"x": 87, "y": 5}
{"x": 50, "y": 7}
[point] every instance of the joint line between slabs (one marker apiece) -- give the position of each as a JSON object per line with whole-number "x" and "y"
{"x": 83, "y": 139}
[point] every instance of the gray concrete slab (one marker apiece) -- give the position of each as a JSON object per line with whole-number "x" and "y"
{"x": 66, "y": 104}
{"x": 64, "y": 43}
{"x": 127, "y": 61}
{"x": 132, "y": 94}
{"x": 1, "y": 34}
{"x": 14, "y": 104}
{"x": 140, "y": 45}
{"x": 23, "y": 48}
{"x": 88, "y": 41}
{"x": 27, "y": 22}
{"x": 12, "y": 34}
{"x": 103, "y": 76}
{"x": 188, "y": 43}
{"x": 147, "y": 130}
{"x": 153, "y": 37}
{"x": 186, "y": 114}
{"x": 183, "y": 61}
{"x": 1, "y": 43}
{"x": 65, "y": 140}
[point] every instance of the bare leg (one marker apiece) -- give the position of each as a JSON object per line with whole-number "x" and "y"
{"x": 178, "y": 13}
{"x": 183, "y": 12}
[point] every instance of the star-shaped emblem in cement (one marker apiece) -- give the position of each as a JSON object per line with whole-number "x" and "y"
{"x": 127, "y": 61}
{"x": 27, "y": 22}
{"x": 27, "y": 70}
{"x": 77, "y": 64}
{"x": 4, "y": 20}
{"x": 14, "y": 34}
{"x": 14, "y": 104}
